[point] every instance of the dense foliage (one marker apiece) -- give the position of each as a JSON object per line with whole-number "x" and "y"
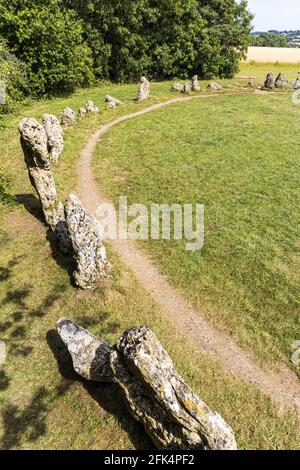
{"x": 270, "y": 40}
{"x": 12, "y": 78}
{"x": 69, "y": 43}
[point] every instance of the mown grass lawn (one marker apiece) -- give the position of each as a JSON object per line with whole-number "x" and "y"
{"x": 43, "y": 404}
{"x": 239, "y": 156}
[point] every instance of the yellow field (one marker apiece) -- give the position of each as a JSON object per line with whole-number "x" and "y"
{"x": 273, "y": 54}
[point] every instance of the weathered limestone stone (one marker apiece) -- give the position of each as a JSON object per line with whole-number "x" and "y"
{"x": 214, "y": 86}
{"x": 195, "y": 83}
{"x": 112, "y": 102}
{"x": 68, "y": 117}
{"x": 55, "y": 136}
{"x": 269, "y": 82}
{"x": 35, "y": 148}
{"x": 90, "y": 354}
{"x": 82, "y": 112}
{"x": 296, "y": 84}
{"x": 86, "y": 237}
{"x": 177, "y": 87}
{"x": 173, "y": 416}
{"x": 144, "y": 90}
{"x": 186, "y": 88}
{"x": 281, "y": 81}
{"x": 91, "y": 108}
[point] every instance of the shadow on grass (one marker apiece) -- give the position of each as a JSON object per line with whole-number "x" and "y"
{"x": 107, "y": 396}
{"x": 32, "y": 205}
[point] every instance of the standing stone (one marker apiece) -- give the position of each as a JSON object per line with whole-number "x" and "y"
{"x": 269, "y": 82}
{"x": 296, "y": 84}
{"x": 112, "y": 102}
{"x": 55, "y": 136}
{"x": 35, "y": 148}
{"x": 68, "y": 117}
{"x": 214, "y": 86}
{"x": 177, "y": 87}
{"x": 157, "y": 396}
{"x": 187, "y": 88}
{"x": 90, "y": 355}
{"x": 91, "y": 108}
{"x": 144, "y": 90}
{"x": 281, "y": 81}
{"x": 195, "y": 83}
{"x": 82, "y": 112}
{"x": 86, "y": 237}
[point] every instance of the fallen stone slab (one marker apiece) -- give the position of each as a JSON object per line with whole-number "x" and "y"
{"x": 68, "y": 117}
{"x": 55, "y": 136}
{"x": 86, "y": 233}
{"x": 34, "y": 143}
{"x": 144, "y": 90}
{"x": 112, "y": 102}
{"x": 177, "y": 87}
{"x": 173, "y": 416}
{"x": 214, "y": 86}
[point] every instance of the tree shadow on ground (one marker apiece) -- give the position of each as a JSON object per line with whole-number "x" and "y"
{"x": 30, "y": 420}
{"x": 107, "y": 396}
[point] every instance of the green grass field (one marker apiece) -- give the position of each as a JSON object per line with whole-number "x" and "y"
{"x": 43, "y": 404}
{"x": 235, "y": 155}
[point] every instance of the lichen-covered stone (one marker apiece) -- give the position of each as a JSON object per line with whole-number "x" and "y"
{"x": 174, "y": 417}
{"x": 144, "y": 90}
{"x": 281, "y": 81}
{"x": 157, "y": 396}
{"x": 34, "y": 143}
{"x": 82, "y": 112}
{"x": 86, "y": 237}
{"x": 55, "y": 136}
{"x": 214, "y": 86}
{"x": 91, "y": 108}
{"x": 177, "y": 87}
{"x": 90, "y": 355}
{"x": 112, "y": 102}
{"x": 68, "y": 117}
{"x": 195, "y": 83}
{"x": 269, "y": 83}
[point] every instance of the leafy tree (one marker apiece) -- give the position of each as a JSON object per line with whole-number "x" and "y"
{"x": 49, "y": 40}
{"x": 270, "y": 40}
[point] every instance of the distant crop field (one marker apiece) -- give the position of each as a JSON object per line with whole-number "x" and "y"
{"x": 273, "y": 54}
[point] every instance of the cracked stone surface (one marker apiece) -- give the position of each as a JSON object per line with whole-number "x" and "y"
{"x": 195, "y": 83}
{"x": 68, "y": 117}
{"x": 86, "y": 233}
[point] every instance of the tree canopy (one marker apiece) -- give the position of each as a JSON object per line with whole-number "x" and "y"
{"x": 69, "y": 43}
{"x": 270, "y": 40}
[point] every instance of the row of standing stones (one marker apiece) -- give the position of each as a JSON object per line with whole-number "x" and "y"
{"x": 156, "y": 395}
{"x": 280, "y": 81}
